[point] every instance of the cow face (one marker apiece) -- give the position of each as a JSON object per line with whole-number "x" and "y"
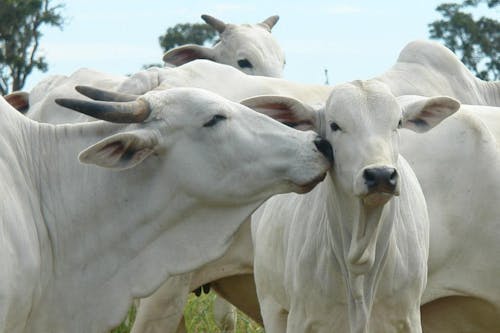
{"x": 361, "y": 120}
{"x": 210, "y": 148}
{"x": 263, "y": 56}
{"x": 251, "y": 48}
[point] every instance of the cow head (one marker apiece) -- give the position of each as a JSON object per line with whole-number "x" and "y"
{"x": 248, "y": 47}
{"x": 210, "y": 148}
{"x": 361, "y": 121}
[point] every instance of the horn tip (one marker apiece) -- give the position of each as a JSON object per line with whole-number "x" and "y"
{"x": 65, "y": 102}
{"x": 82, "y": 89}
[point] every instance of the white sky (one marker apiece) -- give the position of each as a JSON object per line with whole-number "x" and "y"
{"x": 353, "y": 39}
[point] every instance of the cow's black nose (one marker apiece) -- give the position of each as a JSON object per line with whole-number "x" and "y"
{"x": 381, "y": 179}
{"x": 324, "y": 147}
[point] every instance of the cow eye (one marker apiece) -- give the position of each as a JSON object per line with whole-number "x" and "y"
{"x": 335, "y": 127}
{"x": 244, "y": 63}
{"x": 215, "y": 119}
{"x": 400, "y": 124}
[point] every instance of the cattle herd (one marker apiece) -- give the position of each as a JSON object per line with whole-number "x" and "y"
{"x": 369, "y": 206}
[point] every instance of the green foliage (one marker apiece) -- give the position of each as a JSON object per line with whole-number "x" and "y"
{"x": 187, "y": 33}
{"x": 198, "y": 315}
{"x": 20, "y": 22}
{"x": 477, "y": 42}
{"x": 126, "y": 326}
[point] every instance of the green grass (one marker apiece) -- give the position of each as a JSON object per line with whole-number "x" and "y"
{"x": 199, "y": 318}
{"x": 126, "y": 325}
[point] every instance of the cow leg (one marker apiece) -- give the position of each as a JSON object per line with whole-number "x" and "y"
{"x": 239, "y": 290}
{"x": 182, "y": 326}
{"x": 224, "y": 315}
{"x": 274, "y": 316}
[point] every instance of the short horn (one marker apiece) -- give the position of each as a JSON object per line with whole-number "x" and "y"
{"x": 105, "y": 95}
{"x": 214, "y": 23}
{"x": 271, "y": 21}
{"x": 116, "y": 112}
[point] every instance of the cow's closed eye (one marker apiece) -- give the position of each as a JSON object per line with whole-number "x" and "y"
{"x": 244, "y": 63}
{"x": 215, "y": 119}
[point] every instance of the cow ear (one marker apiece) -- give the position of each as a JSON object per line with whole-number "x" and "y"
{"x": 286, "y": 110}
{"x": 421, "y": 114}
{"x": 120, "y": 151}
{"x": 186, "y": 53}
{"x": 19, "y": 100}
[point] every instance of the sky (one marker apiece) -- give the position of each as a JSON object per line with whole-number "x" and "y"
{"x": 352, "y": 39}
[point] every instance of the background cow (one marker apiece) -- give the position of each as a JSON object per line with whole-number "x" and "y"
{"x": 251, "y": 48}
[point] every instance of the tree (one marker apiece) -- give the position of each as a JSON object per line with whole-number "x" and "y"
{"x": 477, "y": 42}
{"x": 20, "y": 23}
{"x": 187, "y": 33}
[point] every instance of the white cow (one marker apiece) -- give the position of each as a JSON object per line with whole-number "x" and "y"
{"x": 423, "y": 68}
{"x": 427, "y": 68}
{"x": 412, "y": 73}
{"x": 174, "y": 183}
{"x": 41, "y": 104}
{"x": 351, "y": 256}
{"x": 251, "y": 48}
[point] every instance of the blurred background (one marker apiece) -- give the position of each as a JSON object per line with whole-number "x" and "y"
{"x": 354, "y": 39}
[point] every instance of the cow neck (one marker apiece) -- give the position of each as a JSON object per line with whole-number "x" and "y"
{"x": 490, "y": 90}
{"x": 112, "y": 236}
{"x": 347, "y": 217}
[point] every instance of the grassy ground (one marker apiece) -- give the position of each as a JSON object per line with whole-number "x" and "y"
{"x": 199, "y": 318}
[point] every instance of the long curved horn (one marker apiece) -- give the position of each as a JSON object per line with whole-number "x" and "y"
{"x": 270, "y": 21}
{"x": 116, "y": 112}
{"x": 105, "y": 95}
{"x": 214, "y": 23}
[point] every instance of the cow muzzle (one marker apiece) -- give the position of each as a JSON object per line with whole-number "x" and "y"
{"x": 377, "y": 184}
{"x": 324, "y": 147}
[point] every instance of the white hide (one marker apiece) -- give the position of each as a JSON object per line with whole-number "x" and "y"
{"x": 463, "y": 291}
{"x": 427, "y": 68}
{"x": 413, "y": 73}
{"x": 41, "y": 98}
{"x": 80, "y": 241}
{"x": 251, "y": 48}
{"x": 423, "y": 68}
{"x": 249, "y": 45}
{"x": 345, "y": 257}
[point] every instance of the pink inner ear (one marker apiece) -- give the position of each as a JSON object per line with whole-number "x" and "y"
{"x": 276, "y": 106}
{"x": 17, "y": 101}
{"x": 284, "y": 114}
{"x": 184, "y": 55}
{"x": 427, "y": 114}
{"x": 115, "y": 149}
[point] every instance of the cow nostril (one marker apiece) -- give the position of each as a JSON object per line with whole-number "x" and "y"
{"x": 370, "y": 176}
{"x": 393, "y": 178}
{"x": 324, "y": 147}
